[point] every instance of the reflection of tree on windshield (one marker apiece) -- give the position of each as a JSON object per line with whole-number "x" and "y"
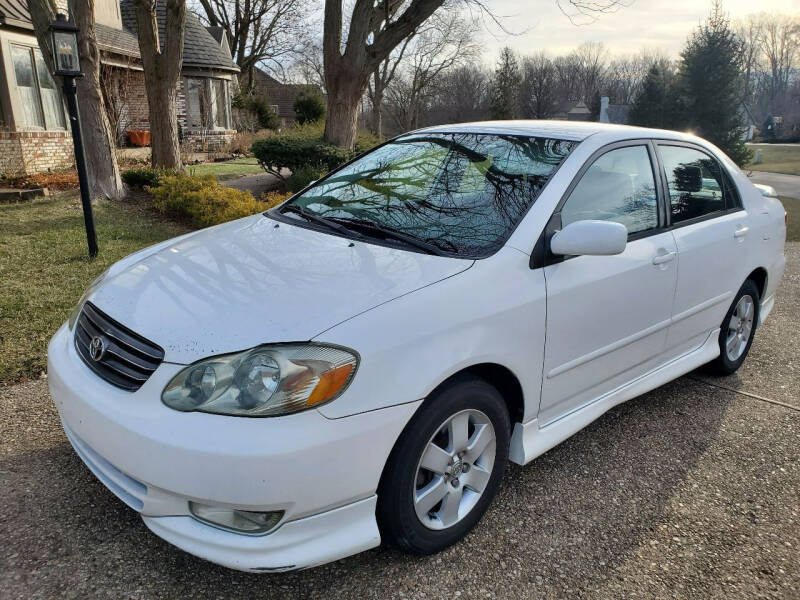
{"x": 462, "y": 192}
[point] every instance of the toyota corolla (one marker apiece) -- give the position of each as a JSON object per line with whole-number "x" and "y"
{"x": 359, "y": 363}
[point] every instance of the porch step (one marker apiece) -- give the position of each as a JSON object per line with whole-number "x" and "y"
{"x": 11, "y": 195}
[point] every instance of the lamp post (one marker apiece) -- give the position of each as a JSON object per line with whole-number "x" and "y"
{"x": 67, "y": 65}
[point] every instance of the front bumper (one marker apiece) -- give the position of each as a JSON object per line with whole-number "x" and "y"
{"x": 323, "y": 473}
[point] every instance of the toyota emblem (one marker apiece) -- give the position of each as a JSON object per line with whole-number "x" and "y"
{"x": 97, "y": 348}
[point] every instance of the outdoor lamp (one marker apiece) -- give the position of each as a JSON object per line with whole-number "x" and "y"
{"x": 68, "y": 66}
{"x": 65, "y": 47}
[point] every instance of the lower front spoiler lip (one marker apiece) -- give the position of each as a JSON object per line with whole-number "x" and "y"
{"x": 295, "y": 545}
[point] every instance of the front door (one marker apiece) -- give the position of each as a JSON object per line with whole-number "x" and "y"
{"x": 608, "y": 316}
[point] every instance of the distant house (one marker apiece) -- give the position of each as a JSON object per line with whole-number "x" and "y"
{"x": 572, "y": 110}
{"x": 613, "y": 113}
{"x": 33, "y": 130}
{"x": 281, "y": 96}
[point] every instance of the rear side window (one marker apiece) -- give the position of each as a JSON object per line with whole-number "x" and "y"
{"x": 696, "y": 184}
{"x": 619, "y": 186}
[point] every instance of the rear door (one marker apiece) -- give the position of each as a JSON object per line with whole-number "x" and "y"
{"x": 608, "y": 316}
{"x": 711, "y": 230}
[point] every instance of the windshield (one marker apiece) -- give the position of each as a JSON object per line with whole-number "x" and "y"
{"x": 463, "y": 193}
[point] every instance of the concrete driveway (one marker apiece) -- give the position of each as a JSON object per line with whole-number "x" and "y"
{"x": 690, "y": 491}
{"x": 785, "y": 185}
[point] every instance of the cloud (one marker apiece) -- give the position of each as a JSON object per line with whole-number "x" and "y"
{"x": 652, "y": 24}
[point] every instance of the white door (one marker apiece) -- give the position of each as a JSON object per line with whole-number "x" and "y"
{"x": 711, "y": 232}
{"x": 608, "y": 316}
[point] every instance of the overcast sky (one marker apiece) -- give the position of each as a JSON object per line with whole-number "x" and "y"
{"x": 654, "y": 24}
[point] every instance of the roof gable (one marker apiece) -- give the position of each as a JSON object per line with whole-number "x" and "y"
{"x": 200, "y": 49}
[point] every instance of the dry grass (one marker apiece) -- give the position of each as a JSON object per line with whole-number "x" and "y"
{"x": 778, "y": 159}
{"x": 44, "y": 268}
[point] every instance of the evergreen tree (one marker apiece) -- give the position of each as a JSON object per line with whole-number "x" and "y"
{"x": 506, "y": 87}
{"x": 594, "y": 106}
{"x": 309, "y": 106}
{"x": 657, "y": 103}
{"x": 709, "y": 81}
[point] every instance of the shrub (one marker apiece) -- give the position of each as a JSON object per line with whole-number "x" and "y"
{"x": 144, "y": 176}
{"x": 201, "y": 200}
{"x": 301, "y": 177}
{"x": 274, "y": 198}
{"x": 303, "y": 146}
{"x": 259, "y": 107}
{"x": 309, "y": 106}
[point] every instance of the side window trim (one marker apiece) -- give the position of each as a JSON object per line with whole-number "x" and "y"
{"x": 541, "y": 257}
{"x": 726, "y": 182}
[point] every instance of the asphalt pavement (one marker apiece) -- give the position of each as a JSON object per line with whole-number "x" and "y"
{"x": 690, "y": 491}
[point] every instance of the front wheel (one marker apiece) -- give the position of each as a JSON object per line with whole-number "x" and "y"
{"x": 737, "y": 331}
{"x": 445, "y": 468}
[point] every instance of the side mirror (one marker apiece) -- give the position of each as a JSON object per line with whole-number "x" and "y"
{"x": 600, "y": 238}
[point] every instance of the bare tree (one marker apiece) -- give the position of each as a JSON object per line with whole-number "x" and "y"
{"x": 539, "y": 91}
{"x": 381, "y": 79}
{"x": 161, "y": 61}
{"x": 260, "y": 32}
{"x": 445, "y": 41}
{"x": 461, "y": 94}
{"x": 376, "y": 28}
{"x": 98, "y": 137}
{"x": 592, "y": 62}
{"x": 780, "y": 46}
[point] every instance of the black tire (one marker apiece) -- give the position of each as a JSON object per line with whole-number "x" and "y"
{"x": 397, "y": 516}
{"x": 724, "y": 364}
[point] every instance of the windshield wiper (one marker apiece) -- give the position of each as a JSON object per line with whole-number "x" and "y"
{"x": 389, "y": 232}
{"x": 317, "y": 220}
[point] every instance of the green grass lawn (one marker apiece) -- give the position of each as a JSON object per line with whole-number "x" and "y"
{"x": 45, "y": 268}
{"x": 778, "y": 159}
{"x": 229, "y": 169}
{"x": 792, "y": 206}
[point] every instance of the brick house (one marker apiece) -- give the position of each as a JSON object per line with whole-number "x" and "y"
{"x": 281, "y": 96}
{"x": 34, "y": 136}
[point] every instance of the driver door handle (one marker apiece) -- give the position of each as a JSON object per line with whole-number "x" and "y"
{"x": 741, "y": 231}
{"x": 662, "y": 258}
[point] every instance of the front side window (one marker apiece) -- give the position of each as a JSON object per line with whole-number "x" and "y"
{"x": 207, "y": 103}
{"x": 51, "y": 99}
{"x": 619, "y": 186}
{"x": 26, "y": 88}
{"x": 695, "y": 182}
{"x": 40, "y": 100}
{"x": 463, "y": 193}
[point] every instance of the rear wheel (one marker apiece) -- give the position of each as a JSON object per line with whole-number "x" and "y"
{"x": 445, "y": 468}
{"x": 737, "y": 331}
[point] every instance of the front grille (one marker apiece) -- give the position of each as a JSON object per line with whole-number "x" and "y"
{"x": 115, "y": 353}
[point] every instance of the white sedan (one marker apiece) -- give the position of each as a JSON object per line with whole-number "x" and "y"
{"x": 361, "y": 362}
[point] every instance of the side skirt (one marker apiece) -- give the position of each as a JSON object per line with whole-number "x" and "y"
{"x": 529, "y": 440}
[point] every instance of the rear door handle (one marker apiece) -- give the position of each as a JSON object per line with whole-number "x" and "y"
{"x": 660, "y": 259}
{"x": 741, "y": 232}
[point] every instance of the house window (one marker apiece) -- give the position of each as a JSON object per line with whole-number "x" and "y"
{"x": 207, "y": 103}
{"x": 40, "y": 100}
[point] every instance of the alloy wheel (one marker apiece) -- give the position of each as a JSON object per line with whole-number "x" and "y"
{"x": 739, "y": 328}
{"x": 454, "y": 469}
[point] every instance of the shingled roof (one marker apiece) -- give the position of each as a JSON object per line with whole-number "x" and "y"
{"x": 200, "y": 49}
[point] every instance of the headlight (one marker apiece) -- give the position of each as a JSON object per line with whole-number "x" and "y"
{"x": 263, "y": 382}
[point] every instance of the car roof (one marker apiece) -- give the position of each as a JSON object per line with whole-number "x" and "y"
{"x": 567, "y": 130}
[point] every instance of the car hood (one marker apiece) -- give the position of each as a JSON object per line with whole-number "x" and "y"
{"x": 256, "y": 281}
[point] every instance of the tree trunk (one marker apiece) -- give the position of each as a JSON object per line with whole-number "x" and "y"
{"x": 377, "y": 106}
{"x": 344, "y": 95}
{"x": 98, "y": 138}
{"x": 161, "y": 61}
{"x": 162, "y": 99}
